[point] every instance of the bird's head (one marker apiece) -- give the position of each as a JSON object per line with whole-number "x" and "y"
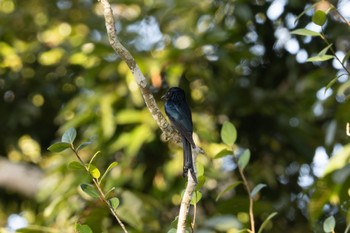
{"x": 174, "y": 93}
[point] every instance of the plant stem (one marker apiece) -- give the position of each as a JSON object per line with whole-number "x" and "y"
{"x": 251, "y": 201}
{"x": 101, "y": 193}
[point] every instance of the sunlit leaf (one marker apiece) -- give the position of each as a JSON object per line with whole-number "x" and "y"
{"x": 196, "y": 197}
{"x": 114, "y": 202}
{"x": 228, "y": 133}
{"x": 69, "y": 136}
{"x": 257, "y": 189}
{"x": 94, "y": 172}
{"x": 82, "y": 145}
{"x": 89, "y": 190}
{"x": 266, "y": 221}
{"x": 244, "y": 159}
{"x": 172, "y": 230}
{"x": 228, "y": 188}
{"x": 74, "y": 165}
{"x": 82, "y": 228}
{"x": 305, "y": 32}
{"x": 320, "y": 58}
{"x": 329, "y": 224}
{"x": 223, "y": 153}
{"x": 59, "y": 147}
{"x": 319, "y": 17}
{"x": 112, "y": 165}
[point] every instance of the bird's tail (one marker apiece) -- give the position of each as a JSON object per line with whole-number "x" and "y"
{"x": 188, "y": 163}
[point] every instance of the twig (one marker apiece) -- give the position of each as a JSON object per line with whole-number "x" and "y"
{"x": 251, "y": 201}
{"x": 101, "y": 193}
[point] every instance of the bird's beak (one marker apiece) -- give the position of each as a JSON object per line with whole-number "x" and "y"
{"x": 163, "y": 97}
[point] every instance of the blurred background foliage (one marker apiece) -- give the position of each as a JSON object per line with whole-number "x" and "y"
{"x": 236, "y": 60}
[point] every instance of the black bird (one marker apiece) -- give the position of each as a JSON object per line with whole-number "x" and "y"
{"x": 179, "y": 114}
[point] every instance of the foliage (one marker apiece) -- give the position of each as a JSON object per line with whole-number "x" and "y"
{"x": 235, "y": 62}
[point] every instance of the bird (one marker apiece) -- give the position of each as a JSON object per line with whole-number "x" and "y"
{"x": 179, "y": 114}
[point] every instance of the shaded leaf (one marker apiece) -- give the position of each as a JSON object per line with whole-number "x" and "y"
{"x": 228, "y": 133}
{"x": 82, "y": 228}
{"x": 228, "y": 188}
{"x": 319, "y": 17}
{"x": 329, "y": 224}
{"x": 305, "y": 32}
{"x": 256, "y": 189}
{"x": 114, "y": 202}
{"x": 74, "y": 165}
{"x": 320, "y": 58}
{"x": 303, "y": 13}
{"x": 266, "y": 221}
{"x": 223, "y": 153}
{"x": 59, "y": 147}
{"x": 89, "y": 190}
{"x": 82, "y": 145}
{"x": 112, "y": 165}
{"x": 244, "y": 159}
{"x": 330, "y": 84}
{"x": 346, "y": 57}
{"x": 94, "y": 172}
{"x": 69, "y": 136}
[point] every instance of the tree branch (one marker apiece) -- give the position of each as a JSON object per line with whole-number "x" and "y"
{"x": 167, "y": 129}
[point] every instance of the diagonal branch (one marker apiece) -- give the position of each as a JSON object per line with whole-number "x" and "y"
{"x": 151, "y": 104}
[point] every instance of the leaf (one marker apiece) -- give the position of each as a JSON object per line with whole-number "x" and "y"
{"x": 89, "y": 190}
{"x": 93, "y": 157}
{"x": 305, "y": 32}
{"x": 228, "y": 188}
{"x": 329, "y": 224}
{"x": 228, "y": 133}
{"x": 266, "y": 221}
{"x": 244, "y": 159}
{"x": 82, "y": 145}
{"x": 223, "y": 153}
{"x": 346, "y": 57}
{"x": 114, "y": 202}
{"x": 196, "y": 197}
{"x": 59, "y": 147}
{"x": 74, "y": 165}
{"x": 324, "y": 51}
{"x": 82, "y": 228}
{"x": 172, "y": 230}
{"x": 112, "y": 165}
{"x": 256, "y": 189}
{"x": 320, "y": 58}
{"x": 69, "y": 136}
{"x": 319, "y": 17}
{"x": 94, "y": 172}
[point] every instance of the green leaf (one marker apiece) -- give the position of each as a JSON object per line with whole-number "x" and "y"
{"x": 244, "y": 159}
{"x": 346, "y": 57}
{"x": 69, "y": 136}
{"x": 59, "y": 147}
{"x": 266, "y": 221}
{"x": 94, "y": 172}
{"x": 82, "y": 228}
{"x": 196, "y": 197}
{"x": 256, "y": 189}
{"x": 319, "y": 17}
{"x": 320, "y": 58}
{"x": 329, "y": 224}
{"x": 305, "y": 32}
{"x": 172, "y": 230}
{"x": 93, "y": 157}
{"x": 324, "y": 51}
{"x": 228, "y": 133}
{"x": 84, "y": 144}
{"x": 223, "y": 153}
{"x": 89, "y": 190}
{"x": 228, "y": 188}
{"x": 74, "y": 165}
{"x": 114, "y": 202}
{"x": 112, "y": 165}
